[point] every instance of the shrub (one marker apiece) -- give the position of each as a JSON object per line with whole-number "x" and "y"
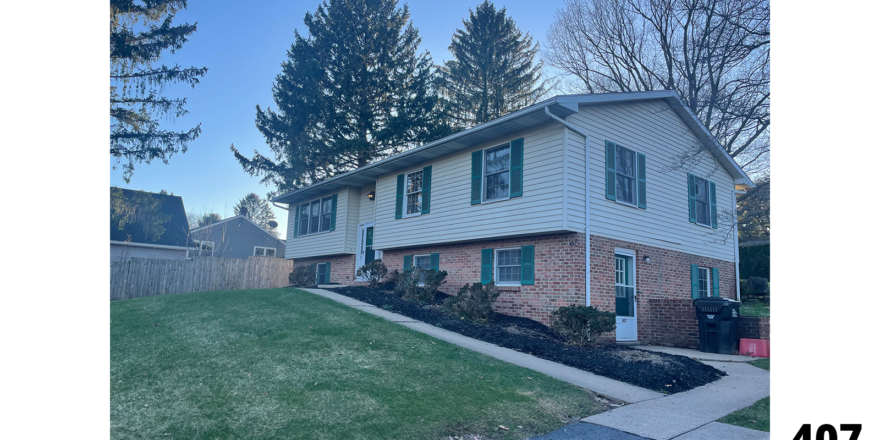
{"x": 392, "y": 279}
{"x": 474, "y": 301}
{"x": 374, "y": 272}
{"x": 302, "y": 276}
{"x": 581, "y": 325}
{"x": 420, "y": 285}
{"x": 754, "y": 261}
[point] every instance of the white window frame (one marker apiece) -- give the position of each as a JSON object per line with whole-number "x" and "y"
{"x": 635, "y": 177}
{"x": 202, "y": 244}
{"x": 415, "y": 258}
{"x": 708, "y": 272}
{"x": 265, "y": 249}
{"x": 321, "y": 214}
{"x": 406, "y": 193}
{"x": 708, "y": 204}
{"x": 485, "y": 176}
{"x": 495, "y": 268}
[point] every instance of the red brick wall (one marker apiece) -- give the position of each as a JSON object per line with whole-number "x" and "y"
{"x": 752, "y": 327}
{"x": 559, "y": 272}
{"x": 665, "y": 313}
{"x": 341, "y": 267}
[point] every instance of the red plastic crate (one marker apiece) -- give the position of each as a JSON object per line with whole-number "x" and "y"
{"x": 754, "y": 347}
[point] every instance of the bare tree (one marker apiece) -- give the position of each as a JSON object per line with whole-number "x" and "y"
{"x": 714, "y": 53}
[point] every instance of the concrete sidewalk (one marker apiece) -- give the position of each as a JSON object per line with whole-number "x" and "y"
{"x": 697, "y": 354}
{"x": 599, "y": 384}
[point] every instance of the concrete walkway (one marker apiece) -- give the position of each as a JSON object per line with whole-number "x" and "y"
{"x": 600, "y": 384}
{"x": 697, "y": 354}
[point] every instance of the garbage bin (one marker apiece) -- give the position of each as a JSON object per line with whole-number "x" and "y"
{"x": 718, "y": 320}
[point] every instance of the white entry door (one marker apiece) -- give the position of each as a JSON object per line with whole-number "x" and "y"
{"x": 365, "y": 251}
{"x": 625, "y": 297}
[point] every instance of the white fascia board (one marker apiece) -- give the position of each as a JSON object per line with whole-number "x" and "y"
{"x": 147, "y": 245}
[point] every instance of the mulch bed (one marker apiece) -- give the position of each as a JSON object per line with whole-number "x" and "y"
{"x": 661, "y": 372}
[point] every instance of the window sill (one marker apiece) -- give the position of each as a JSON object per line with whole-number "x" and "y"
{"x": 703, "y": 226}
{"x": 508, "y": 287}
{"x": 312, "y": 235}
{"x": 626, "y": 204}
{"x": 411, "y": 215}
{"x": 486, "y": 202}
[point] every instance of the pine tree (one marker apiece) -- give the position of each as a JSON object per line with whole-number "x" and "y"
{"x": 208, "y": 219}
{"x": 257, "y": 210}
{"x": 140, "y": 31}
{"x": 354, "y": 91}
{"x": 139, "y": 207}
{"x": 493, "y": 70}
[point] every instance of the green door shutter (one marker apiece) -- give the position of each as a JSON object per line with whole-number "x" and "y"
{"x": 407, "y": 263}
{"x": 516, "y": 168}
{"x": 695, "y": 281}
{"x": 398, "y": 206}
{"x": 435, "y": 261}
{"x": 643, "y": 185}
{"x": 712, "y": 206}
{"x": 715, "y": 286}
{"x": 477, "y": 177}
{"x": 333, "y": 214}
{"x": 692, "y": 200}
{"x": 527, "y": 267}
{"x": 486, "y": 266}
{"x": 296, "y": 222}
{"x": 327, "y": 273}
{"x": 610, "y": 171}
{"x": 426, "y": 189}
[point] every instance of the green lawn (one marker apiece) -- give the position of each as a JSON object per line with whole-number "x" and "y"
{"x": 756, "y": 416}
{"x": 754, "y": 308}
{"x": 762, "y": 363}
{"x": 283, "y": 363}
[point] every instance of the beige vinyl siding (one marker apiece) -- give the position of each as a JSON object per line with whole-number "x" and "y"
{"x": 453, "y": 218}
{"x": 325, "y": 243}
{"x": 351, "y": 221}
{"x": 367, "y": 208}
{"x": 652, "y": 128}
{"x": 575, "y": 174}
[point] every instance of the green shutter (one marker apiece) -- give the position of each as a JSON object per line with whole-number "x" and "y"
{"x": 327, "y": 272}
{"x": 695, "y": 281}
{"x": 296, "y": 222}
{"x": 486, "y": 266}
{"x": 477, "y": 177}
{"x": 610, "y": 171}
{"x": 715, "y": 282}
{"x": 712, "y": 205}
{"x": 435, "y": 261}
{"x": 426, "y": 189}
{"x": 516, "y": 168}
{"x": 643, "y": 183}
{"x": 398, "y": 206}
{"x": 407, "y": 263}
{"x": 333, "y": 214}
{"x": 527, "y": 268}
{"x": 692, "y": 200}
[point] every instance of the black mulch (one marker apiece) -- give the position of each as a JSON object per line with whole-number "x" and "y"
{"x": 656, "y": 371}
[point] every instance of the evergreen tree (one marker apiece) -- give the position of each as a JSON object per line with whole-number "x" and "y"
{"x": 140, "y": 31}
{"x": 493, "y": 70}
{"x": 352, "y": 92}
{"x": 208, "y": 219}
{"x": 140, "y": 208}
{"x": 257, "y": 210}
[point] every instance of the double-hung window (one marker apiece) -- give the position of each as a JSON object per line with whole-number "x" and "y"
{"x": 705, "y": 282}
{"x": 260, "y": 251}
{"x": 413, "y": 194}
{"x": 422, "y": 262}
{"x": 496, "y": 174}
{"x": 626, "y": 175}
{"x": 701, "y": 195}
{"x": 508, "y": 266}
{"x": 207, "y": 247}
{"x": 315, "y": 216}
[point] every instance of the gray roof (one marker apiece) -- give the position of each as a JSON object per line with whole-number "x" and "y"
{"x": 560, "y": 106}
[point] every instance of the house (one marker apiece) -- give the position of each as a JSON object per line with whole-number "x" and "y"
{"x": 236, "y": 237}
{"x": 578, "y": 199}
{"x": 153, "y": 226}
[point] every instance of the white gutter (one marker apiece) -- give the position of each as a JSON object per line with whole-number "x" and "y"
{"x": 736, "y": 244}
{"x": 279, "y": 206}
{"x": 146, "y": 245}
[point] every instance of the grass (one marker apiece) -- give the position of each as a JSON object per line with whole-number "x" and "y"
{"x": 762, "y": 363}
{"x": 283, "y": 363}
{"x": 754, "y": 308}
{"x": 756, "y": 416}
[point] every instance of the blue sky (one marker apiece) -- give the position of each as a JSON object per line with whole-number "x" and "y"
{"x": 243, "y": 45}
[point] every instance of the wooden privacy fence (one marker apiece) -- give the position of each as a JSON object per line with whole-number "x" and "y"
{"x": 140, "y": 277}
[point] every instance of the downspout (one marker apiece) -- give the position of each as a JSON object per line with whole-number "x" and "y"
{"x": 586, "y": 202}
{"x": 736, "y": 244}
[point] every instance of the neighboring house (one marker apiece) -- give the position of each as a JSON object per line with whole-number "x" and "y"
{"x": 134, "y": 241}
{"x": 506, "y": 201}
{"x": 236, "y": 237}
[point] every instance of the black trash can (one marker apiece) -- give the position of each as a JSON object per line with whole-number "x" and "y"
{"x": 718, "y": 319}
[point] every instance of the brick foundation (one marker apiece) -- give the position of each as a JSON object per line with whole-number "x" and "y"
{"x": 341, "y": 267}
{"x": 752, "y": 327}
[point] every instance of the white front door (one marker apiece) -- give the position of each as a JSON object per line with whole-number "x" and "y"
{"x": 365, "y": 252}
{"x": 625, "y": 297}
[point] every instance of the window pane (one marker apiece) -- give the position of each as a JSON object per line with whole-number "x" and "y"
{"x": 313, "y": 221}
{"x": 508, "y": 274}
{"x": 259, "y": 252}
{"x": 702, "y": 213}
{"x": 626, "y": 162}
{"x": 304, "y": 220}
{"x": 497, "y": 159}
{"x": 423, "y": 262}
{"x": 414, "y": 182}
{"x": 270, "y": 252}
{"x": 498, "y": 186}
{"x": 510, "y": 257}
{"x": 701, "y": 189}
{"x": 414, "y": 203}
{"x": 509, "y": 264}
{"x": 625, "y": 189}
